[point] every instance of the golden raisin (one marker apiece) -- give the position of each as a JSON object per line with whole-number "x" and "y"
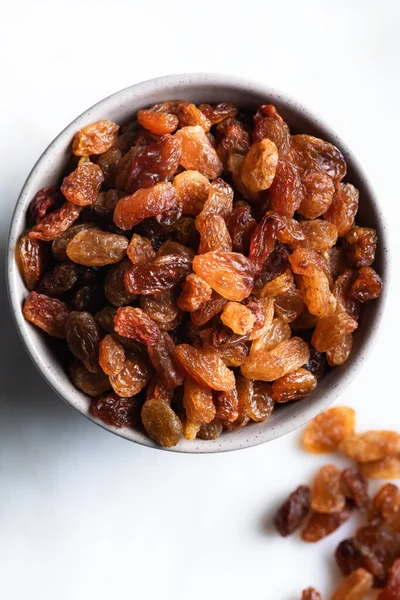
{"x": 326, "y": 431}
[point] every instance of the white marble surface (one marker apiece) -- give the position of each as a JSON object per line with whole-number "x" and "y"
{"x": 84, "y": 514}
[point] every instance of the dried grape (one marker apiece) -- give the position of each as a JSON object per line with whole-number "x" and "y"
{"x": 325, "y": 432}
{"x": 47, "y": 313}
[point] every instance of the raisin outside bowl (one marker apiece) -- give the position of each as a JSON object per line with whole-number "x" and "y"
{"x": 198, "y": 88}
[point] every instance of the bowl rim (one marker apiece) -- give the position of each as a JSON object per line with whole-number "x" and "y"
{"x": 144, "y": 88}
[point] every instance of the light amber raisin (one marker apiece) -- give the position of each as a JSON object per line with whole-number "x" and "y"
{"x": 259, "y": 166}
{"x": 219, "y": 202}
{"x": 286, "y": 191}
{"x": 55, "y": 223}
{"x": 198, "y": 403}
{"x": 195, "y": 291}
{"x": 144, "y": 203}
{"x": 339, "y": 354}
{"x": 47, "y": 313}
{"x": 342, "y": 292}
{"x": 205, "y": 367}
{"x": 325, "y": 432}
{"x": 294, "y": 386}
{"x": 214, "y": 235}
{"x": 289, "y": 305}
{"x": 134, "y": 323}
{"x": 133, "y": 377}
{"x": 278, "y": 285}
{"x": 355, "y": 586}
{"x": 330, "y": 330}
{"x": 96, "y": 138}
{"x": 111, "y": 355}
{"x": 327, "y": 496}
{"x": 190, "y": 115}
{"x": 31, "y": 258}
{"x": 227, "y": 405}
{"x": 197, "y": 152}
{"x": 360, "y": 244}
{"x": 319, "y": 234}
{"x": 229, "y": 273}
{"x": 193, "y": 189}
{"x": 287, "y": 356}
{"x": 371, "y": 445}
{"x": 238, "y": 317}
{"x": 260, "y": 404}
{"x": 312, "y": 152}
{"x": 386, "y": 468}
{"x": 318, "y": 193}
{"x": 158, "y": 122}
{"x": 344, "y": 208}
{"x": 59, "y": 245}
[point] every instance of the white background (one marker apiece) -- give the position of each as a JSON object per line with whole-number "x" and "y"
{"x": 84, "y": 514}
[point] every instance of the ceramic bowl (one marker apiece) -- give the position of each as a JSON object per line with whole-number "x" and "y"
{"x": 199, "y": 87}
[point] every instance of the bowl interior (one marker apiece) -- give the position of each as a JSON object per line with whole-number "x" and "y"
{"x": 121, "y": 107}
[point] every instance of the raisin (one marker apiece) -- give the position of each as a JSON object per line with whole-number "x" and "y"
{"x": 337, "y": 260}
{"x": 391, "y": 590}
{"x": 355, "y": 487}
{"x": 386, "y": 506}
{"x": 195, "y": 291}
{"x": 289, "y": 305}
{"x": 277, "y": 332}
{"x": 339, "y": 354}
{"x": 330, "y": 331}
{"x": 386, "y": 468}
{"x": 193, "y": 189}
{"x": 342, "y": 292}
{"x": 83, "y": 337}
{"x": 171, "y": 247}
{"x": 311, "y": 594}
{"x": 327, "y": 496}
{"x": 151, "y": 164}
{"x": 197, "y": 152}
{"x": 133, "y": 377}
{"x": 158, "y": 122}
{"x": 305, "y": 321}
{"x": 325, "y": 432}
{"x": 371, "y": 445}
{"x": 205, "y": 367}
{"x": 43, "y": 201}
{"x": 317, "y": 296}
{"x": 259, "y": 166}
{"x": 351, "y": 554}
{"x": 320, "y": 525}
{"x": 46, "y": 313}
{"x": 161, "y": 423}
{"x": 277, "y": 286}
{"x": 108, "y": 163}
{"x": 294, "y": 386}
{"x": 382, "y": 541}
{"x": 88, "y": 298}
{"x": 162, "y": 356}
{"x": 238, "y": 317}
{"x": 293, "y": 511}
{"x": 92, "y": 384}
{"x": 208, "y": 309}
{"x": 210, "y": 431}
{"x": 287, "y": 356}
{"x": 241, "y": 224}
{"x": 269, "y": 125}
{"x": 227, "y": 405}
{"x": 355, "y": 586}
{"x": 59, "y": 245}
{"x": 95, "y": 139}
{"x": 111, "y": 355}
{"x": 163, "y": 309}
{"x": 117, "y": 411}
{"x": 344, "y": 208}
{"x": 190, "y": 115}
{"x": 96, "y": 248}
{"x": 229, "y": 273}
{"x": 234, "y": 145}
{"x": 313, "y": 153}
{"x": 114, "y": 287}
{"x": 215, "y": 235}
{"x": 82, "y": 186}
{"x": 367, "y": 286}
{"x": 156, "y": 389}
{"x": 235, "y": 355}
{"x": 219, "y": 202}
{"x": 55, "y": 223}
{"x": 145, "y": 203}
{"x": 260, "y": 403}
{"x": 31, "y": 258}
{"x": 319, "y": 235}
{"x": 198, "y": 403}
{"x": 318, "y": 193}
{"x": 316, "y": 364}
{"x": 286, "y": 191}
{"x": 262, "y": 241}
{"x": 276, "y": 263}
{"x": 360, "y": 244}
{"x": 157, "y": 275}
{"x": 217, "y": 113}
{"x": 105, "y": 204}
{"x": 105, "y": 318}
{"x": 134, "y": 323}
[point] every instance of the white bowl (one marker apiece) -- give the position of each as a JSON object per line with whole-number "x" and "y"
{"x": 198, "y": 87}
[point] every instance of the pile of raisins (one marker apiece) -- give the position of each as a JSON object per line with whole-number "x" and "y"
{"x": 371, "y": 558}
{"x": 202, "y": 266}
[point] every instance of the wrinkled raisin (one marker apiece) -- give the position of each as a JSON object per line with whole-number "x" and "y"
{"x": 325, "y": 432}
{"x": 46, "y": 313}
{"x": 293, "y": 511}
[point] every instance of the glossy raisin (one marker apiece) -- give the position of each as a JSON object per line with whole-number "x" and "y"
{"x": 47, "y": 313}
{"x": 111, "y": 355}
{"x": 134, "y": 323}
{"x": 293, "y": 511}
{"x": 31, "y": 259}
{"x": 95, "y": 139}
